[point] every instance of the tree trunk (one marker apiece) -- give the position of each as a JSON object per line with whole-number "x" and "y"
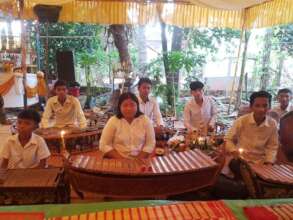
{"x": 121, "y": 42}
{"x": 279, "y": 70}
{"x": 265, "y": 78}
{"x": 142, "y": 50}
{"x": 177, "y": 46}
{"x": 240, "y": 83}
{"x": 165, "y": 52}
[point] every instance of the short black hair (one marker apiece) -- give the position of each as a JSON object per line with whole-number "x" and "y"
{"x": 258, "y": 94}
{"x": 144, "y": 80}
{"x": 196, "y": 85}
{"x": 74, "y": 84}
{"x": 285, "y": 90}
{"x": 60, "y": 83}
{"x": 122, "y": 98}
{"x": 30, "y": 114}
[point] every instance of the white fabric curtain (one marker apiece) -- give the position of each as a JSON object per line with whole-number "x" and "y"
{"x": 229, "y": 4}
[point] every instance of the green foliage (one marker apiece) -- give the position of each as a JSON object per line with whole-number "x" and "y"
{"x": 81, "y": 38}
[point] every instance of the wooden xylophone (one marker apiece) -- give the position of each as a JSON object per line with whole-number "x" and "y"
{"x": 175, "y": 211}
{"x": 270, "y": 212}
{"x": 272, "y": 180}
{"x": 75, "y": 139}
{"x": 33, "y": 186}
{"x": 159, "y": 177}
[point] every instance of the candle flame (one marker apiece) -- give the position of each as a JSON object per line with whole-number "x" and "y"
{"x": 62, "y": 133}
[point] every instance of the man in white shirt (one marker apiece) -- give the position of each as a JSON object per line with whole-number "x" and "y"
{"x": 200, "y": 111}
{"x": 148, "y": 105}
{"x": 284, "y": 97}
{"x": 25, "y": 149}
{"x": 255, "y": 134}
{"x": 65, "y": 109}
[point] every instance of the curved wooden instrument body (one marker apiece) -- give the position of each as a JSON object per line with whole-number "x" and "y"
{"x": 286, "y": 138}
{"x": 270, "y": 181}
{"x": 157, "y": 178}
{"x": 75, "y": 139}
{"x": 34, "y": 186}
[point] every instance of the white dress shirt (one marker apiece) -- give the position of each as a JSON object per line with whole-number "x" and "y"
{"x": 28, "y": 156}
{"x": 152, "y": 110}
{"x": 280, "y": 111}
{"x": 199, "y": 117}
{"x": 259, "y": 142}
{"x": 70, "y": 113}
{"x": 128, "y": 139}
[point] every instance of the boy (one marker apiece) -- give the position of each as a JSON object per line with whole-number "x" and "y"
{"x": 200, "y": 112}
{"x": 284, "y": 97}
{"x": 25, "y": 149}
{"x": 148, "y": 105}
{"x": 255, "y": 134}
{"x": 65, "y": 108}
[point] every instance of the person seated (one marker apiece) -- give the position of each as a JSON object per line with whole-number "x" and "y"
{"x": 148, "y": 105}
{"x": 74, "y": 89}
{"x": 284, "y": 97}
{"x": 65, "y": 108}
{"x": 25, "y": 149}
{"x": 285, "y": 153}
{"x": 254, "y": 136}
{"x": 130, "y": 133}
{"x": 200, "y": 111}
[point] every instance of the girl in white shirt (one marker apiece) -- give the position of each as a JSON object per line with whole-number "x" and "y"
{"x": 130, "y": 133}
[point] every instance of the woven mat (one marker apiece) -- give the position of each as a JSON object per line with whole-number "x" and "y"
{"x": 274, "y": 212}
{"x": 177, "y": 211}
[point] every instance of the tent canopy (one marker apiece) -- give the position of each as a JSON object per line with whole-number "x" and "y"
{"x": 184, "y": 13}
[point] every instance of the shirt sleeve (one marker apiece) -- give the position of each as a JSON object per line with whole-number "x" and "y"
{"x": 47, "y": 115}
{"x": 5, "y": 150}
{"x": 80, "y": 115}
{"x": 157, "y": 114}
{"x": 106, "y": 140}
{"x": 43, "y": 151}
{"x": 272, "y": 147}
{"x": 150, "y": 140}
{"x": 232, "y": 136}
{"x": 214, "y": 112}
{"x": 186, "y": 116}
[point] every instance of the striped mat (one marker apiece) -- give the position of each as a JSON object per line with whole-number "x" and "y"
{"x": 274, "y": 212}
{"x": 177, "y": 211}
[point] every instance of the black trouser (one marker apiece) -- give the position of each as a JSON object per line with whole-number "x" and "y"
{"x": 234, "y": 166}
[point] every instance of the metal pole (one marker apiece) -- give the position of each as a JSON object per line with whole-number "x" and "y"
{"x": 38, "y": 44}
{"x": 23, "y": 51}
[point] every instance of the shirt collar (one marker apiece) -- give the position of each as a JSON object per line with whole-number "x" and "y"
{"x": 32, "y": 141}
{"x": 140, "y": 99}
{"x": 252, "y": 121}
{"x": 203, "y": 99}
{"x": 68, "y": 100}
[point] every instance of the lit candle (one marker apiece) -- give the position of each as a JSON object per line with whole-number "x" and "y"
{"x": 241, "y": 150}
{"x": 62, "y": 133}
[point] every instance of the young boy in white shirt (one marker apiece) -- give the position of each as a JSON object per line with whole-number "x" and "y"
{"x": 254, "y": 136}
{"x": 25, "y": 149}
{"x": 148, "y": 105}
{"x": 200, "y": 111}
{"x": 65, "y": 109}
{"x": 284, "y": 97}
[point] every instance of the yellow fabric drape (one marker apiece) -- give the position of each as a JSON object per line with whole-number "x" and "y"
{"x": 268, "y": 14}
{"x": 274, "y": 12}
{"x": 5, "y": 87}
